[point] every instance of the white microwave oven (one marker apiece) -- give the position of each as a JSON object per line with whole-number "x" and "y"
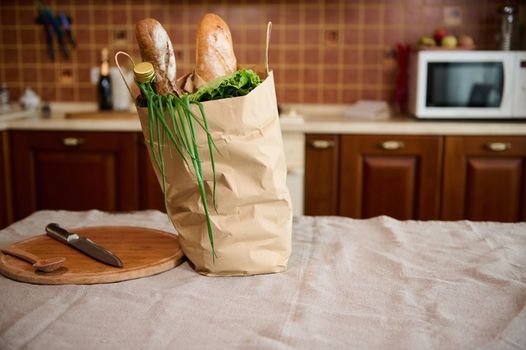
{"x": 467, "y": 84}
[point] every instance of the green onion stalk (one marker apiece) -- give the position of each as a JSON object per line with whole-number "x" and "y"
{"x": 171, "y": 117}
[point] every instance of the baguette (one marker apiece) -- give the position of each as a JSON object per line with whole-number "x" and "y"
{"x": 155, "y": 47}
{"x": 214, "y": 51}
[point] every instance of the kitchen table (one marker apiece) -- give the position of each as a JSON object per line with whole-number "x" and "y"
{"x": 363, "y": 284}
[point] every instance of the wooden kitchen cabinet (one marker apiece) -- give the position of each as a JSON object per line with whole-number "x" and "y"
{"x": 74, "y": 171}
{"x": 365, "y": 176}
{"x": 484, "y": 178}
{"x": 150, "y": 192}
{"x": 397, "y": 176}
{"x": 6, "y": 217}
{"x": 480, "y": 178}
{"x": 321, "y": 174}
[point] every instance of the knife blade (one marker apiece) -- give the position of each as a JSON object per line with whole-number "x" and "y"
{"x": 83, "y": 244}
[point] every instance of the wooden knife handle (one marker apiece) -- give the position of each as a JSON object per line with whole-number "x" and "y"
{"x": 21, "y": 254}
{"x": 55, "y": 231}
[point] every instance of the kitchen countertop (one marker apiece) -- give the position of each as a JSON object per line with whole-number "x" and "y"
{"x": 57, "y": 121}
{"x": 308, "y": 119}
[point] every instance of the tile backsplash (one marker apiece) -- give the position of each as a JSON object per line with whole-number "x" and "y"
{"x": 325, "y": 51}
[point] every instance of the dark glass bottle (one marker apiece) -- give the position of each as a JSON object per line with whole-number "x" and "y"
{"x": 104, "y": 85}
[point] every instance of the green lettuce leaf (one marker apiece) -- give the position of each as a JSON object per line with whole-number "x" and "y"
{"x": 236, "y": 84}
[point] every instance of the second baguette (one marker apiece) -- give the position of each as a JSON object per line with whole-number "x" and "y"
{"x": 214, "y": 50}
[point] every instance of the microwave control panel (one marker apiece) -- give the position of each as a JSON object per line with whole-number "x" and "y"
{"x": 519, "y": 103}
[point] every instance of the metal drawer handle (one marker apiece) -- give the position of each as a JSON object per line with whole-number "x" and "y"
{"x": 73, "y": 141}
{"x": 322, "y": 144}
{"x": 392, "y": 145}
{"x": 498, "y": 146}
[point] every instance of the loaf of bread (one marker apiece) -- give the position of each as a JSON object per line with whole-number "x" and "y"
{"x": 214, "y": 51}
{"x": 156, "y": 47}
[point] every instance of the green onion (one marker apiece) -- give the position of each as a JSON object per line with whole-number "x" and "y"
{"x": 181, "y": 132}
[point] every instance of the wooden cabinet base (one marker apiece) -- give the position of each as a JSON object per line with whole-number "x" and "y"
{"x": 74, "y": 171}
{"x": 397, "y": 176}
{"x": 6, "y": 209}
{"x": 150, "y": 192}
{"x": 321, "y": 174}
{"x": 485, "y": 178}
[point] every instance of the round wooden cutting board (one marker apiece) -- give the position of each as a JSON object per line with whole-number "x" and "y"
{"x": 143, "y": 252}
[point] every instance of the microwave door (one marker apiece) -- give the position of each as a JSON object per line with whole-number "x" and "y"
{"x": 465, "y": 85}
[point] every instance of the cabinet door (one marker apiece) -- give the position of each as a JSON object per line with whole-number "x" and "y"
{"x": 484, "y": 178}
{"x": 151, "y": 194}
{"x": 74, "y": 171}
{"x": 397, "y": 176}
{"x": 321, "y": 174}
{"x": 5, "y": 187}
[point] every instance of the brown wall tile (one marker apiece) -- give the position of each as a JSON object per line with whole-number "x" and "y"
{"x": 322, "y": 51}
{"x": 9, "y": 36}
{"x": 9, "y": 16}
{"x": 12, "y": 74}
{"x": 311, "y": 76}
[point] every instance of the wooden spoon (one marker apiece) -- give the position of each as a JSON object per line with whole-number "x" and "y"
{"x": 44, "y": 265}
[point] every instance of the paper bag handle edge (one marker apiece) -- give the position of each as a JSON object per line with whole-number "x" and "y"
{"x": 269, "y": 29}
{"x": 120, "y": 70}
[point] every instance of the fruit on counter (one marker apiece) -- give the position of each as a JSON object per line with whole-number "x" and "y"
{"x": 440, "y": 34}
{"x": 427, "y": 41}
{"x": 465, "y": 41}
{"x": 442, "y": 40}
{"x": 449, "y": 41}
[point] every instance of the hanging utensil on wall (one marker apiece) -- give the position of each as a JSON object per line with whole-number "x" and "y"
{"x": 59, "y": 27}
{"x": 44, "y": 20}
{"x": 66, "y": 27}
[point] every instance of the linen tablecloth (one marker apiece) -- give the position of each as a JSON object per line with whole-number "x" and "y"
{"x": 362, "y": 284}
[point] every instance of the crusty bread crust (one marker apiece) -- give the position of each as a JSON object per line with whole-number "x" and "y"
{"x": 214, "y": 51}
{"x": 155, "y": 47}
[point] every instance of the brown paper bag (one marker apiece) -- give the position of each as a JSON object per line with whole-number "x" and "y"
{"x": 253, "y": 223}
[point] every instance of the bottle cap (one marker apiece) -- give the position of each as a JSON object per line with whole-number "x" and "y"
{"x": 144, "y": 72}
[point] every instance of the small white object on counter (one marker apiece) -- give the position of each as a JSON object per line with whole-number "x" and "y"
{"x": 291, "y": 117}
{"x": 4, "y": 98}
{"x": 29, "y": 99}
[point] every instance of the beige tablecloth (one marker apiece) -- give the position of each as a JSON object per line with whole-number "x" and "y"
{"x": 360, "y": 284}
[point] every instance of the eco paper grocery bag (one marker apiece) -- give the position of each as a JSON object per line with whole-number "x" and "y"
{"x": 253, "y": 223}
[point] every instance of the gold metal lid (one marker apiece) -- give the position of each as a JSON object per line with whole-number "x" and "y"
{"x": 144, "y": 72}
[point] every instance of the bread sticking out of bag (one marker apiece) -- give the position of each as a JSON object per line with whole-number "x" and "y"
{"x": 156, "y": 47}
{"x": 214, "y": 51}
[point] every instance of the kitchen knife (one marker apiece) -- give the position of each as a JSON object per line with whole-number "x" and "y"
{"x": 85, "y": 245}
